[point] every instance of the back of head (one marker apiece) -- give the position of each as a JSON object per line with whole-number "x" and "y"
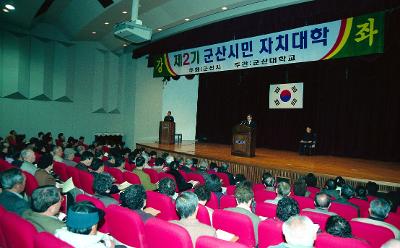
{"x": 286, "y": 208}
{"x": 223, "y": 168}
{"x": 283, "y": 189}
{"x": 311, "y": 180}
{"x": 140, "y": 161}
{"x": 338, "y": 226}
{"x": 44, "y": 197}
{"x": 45, "y": 161}
{"x": 167, "y": 186}
{"x": 372, "y": 188}
{"x": 26, "y": 153}
{"x": 86, "y": 155}
{"x": 300, "y": 187}
{"x": 268, "y": 180}
{"x": 133, "y": 197}
{"x": 340, "y": 181}
{"x": 213, "y": 183}
{"x": 379, "y": 208}
{"x": 203, "y": 165}
{"x": 11, "y": 177}
{"x": 347, "y": 191}
{"x": 330, "y": 184}
{"x": 81, "y": 217}
{"x": 202, "y": 193}
{"x": 96, "y": 164}
{"x": 243, "y": 193}
{"x": 361, "y": 191}
{"x": 159, "y": 162}
{"x": 119, "y": 161}
{"x": 186, "y": 204}
{"x": 322, "y": 200}
{"x": 300, "y": 231}
{"x": 68, "y": 152}
{"x": 102, "y": 183}
{"x": 169, "y": 159}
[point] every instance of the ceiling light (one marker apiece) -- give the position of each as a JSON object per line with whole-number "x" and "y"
{"x": 94, "y": 32}
{"x": 6, "y": 10}
{"x": 10, "y": 6}
{"x": 224, "y": 8}
{"x": 187, "y": 19}
{"x": 124, "y": 12}
{"x": 106, "y": 23}
{"x": 159, "y": 29}
{"x": 125, "y": 45}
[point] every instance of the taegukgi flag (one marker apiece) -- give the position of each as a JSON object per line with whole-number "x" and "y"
{"x": 286, "y": 96}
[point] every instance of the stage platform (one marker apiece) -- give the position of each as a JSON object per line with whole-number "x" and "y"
{"x": 288, "y": 164}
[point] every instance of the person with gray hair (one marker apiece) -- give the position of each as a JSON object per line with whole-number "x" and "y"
{"x": 282, "y": 190}
{"x": 28, "y": 156}
{"x": 57, "y": 153}
{"x": 378, "y": 211}
{"x": 299, "y": 231}
{"x": 69, "y": 155}
{"x": 11, "y": 198}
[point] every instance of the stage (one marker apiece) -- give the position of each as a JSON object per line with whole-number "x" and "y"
{"x": 288, "y": 164}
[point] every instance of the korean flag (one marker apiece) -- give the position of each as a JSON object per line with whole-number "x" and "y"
{"x": 286, "y": 96}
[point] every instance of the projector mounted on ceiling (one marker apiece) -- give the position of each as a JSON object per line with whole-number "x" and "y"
{"x": 133, "y": 30}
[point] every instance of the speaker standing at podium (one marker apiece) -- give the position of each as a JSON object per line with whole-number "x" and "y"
{"x": 169, "y": 117}
{"x": 249, "y": 122}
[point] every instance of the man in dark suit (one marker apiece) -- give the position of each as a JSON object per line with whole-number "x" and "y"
{"x": 13, "y": 183}
{"x": 169, "y": 117}
{"x": 249, "y": 122}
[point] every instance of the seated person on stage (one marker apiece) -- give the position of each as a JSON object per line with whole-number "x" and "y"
{"x": 169, "y": 117}
{"x": 286, "y": 208}
{"x": 269, "y": 181}
{"x": 45, "y": 203}
{"x": 134, "y": 197}
{"x": 102, "y": 186}
{"x": 338, "y": 226}
{"x": 307, "y": 142}
{"x": 299, "y": 231}
{"x": 13, "y": 185}
{"x": 224, "y": 169}
{"x": 378, "y": 211}
{"x": 330, "y": 189}
{"x": 322, "y": 203}
{"x": 167, "y": 186}
{"x": 144, "y": 177}
{"x": 282, "y": 190}
{"x": 204, "y": 195}
{"x": 244, "y": 197}
{"x": 249, "y": 122}
{"x": 347, "y": 192}
{"x": 186, "y": 206}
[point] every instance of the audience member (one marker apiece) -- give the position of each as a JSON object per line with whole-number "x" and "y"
{"x": 13, "y": 184}
{"x": 322, "y": 203}
{"x": 45, "y": 207}
{"x": 57, "y": 153}
{"x": 134, "y": 197}
{"x": 120, "y": 163}
{"x": 372, "y": 188}
{"x": 86, "y": 161}
{"x": 378, "y": 211}
{"x": 224, "y": 169}
{"x": 186, "y": 206}
{"x": 269, "y": 181}
{"x": 286, "y": 208}
{"x": 347, "y": 192}
{"x": 282, "y": 190}
{"x": 60, "y": 140}
{"x": 244, "y": 197}
{"x": 97, "y": 166}
{"x": 213, "y": 184}
{"x": 28, "y": 156}
{"x": 102, "y": 186}
{"x": 144, "y": 178}
{"x": 339, "y": 182}
{"x": 311, "y": 180}
{"x": 167, "y": 186}
{"x": 300, "y": 188}
{"x": 69, "y": 155}
{"x": 81, "y": 230}
{"x": 204, "y": 195}
{"x": 173, "y": 170}
{"x": 338, "y": 226}
{"x": 330, "y": 189}
{"x": 43, "y": 174}
{"x": 361, "y": 193}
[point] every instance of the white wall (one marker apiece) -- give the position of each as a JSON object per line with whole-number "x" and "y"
{"x": 180, "y": 96}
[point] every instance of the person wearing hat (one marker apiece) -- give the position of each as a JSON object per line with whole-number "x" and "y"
{"x": 43, "y": 174}
{"x": 81, "y": 230}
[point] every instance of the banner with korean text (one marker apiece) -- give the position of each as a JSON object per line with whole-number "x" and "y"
{"x": 354, "y": 36}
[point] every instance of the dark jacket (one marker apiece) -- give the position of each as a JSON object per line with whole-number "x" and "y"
{"x": 13, "y": 203}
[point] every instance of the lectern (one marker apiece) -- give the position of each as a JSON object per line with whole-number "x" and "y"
{"x": 167, "y": 132}
{"x": 243, "y": 141}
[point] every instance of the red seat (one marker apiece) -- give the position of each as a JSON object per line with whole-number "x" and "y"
{"x": 129, "y": 166}
{"x": 228, "y": 201}
{"x": 230, "y": 190}
{"x": 74, "y": 173}
{"x": 184, "y": 175}
{"x": 225, "y": 179}
{"x": 326, "y": 240}
{"x": 163, "y": 203}
{"x": 118, "y": 219}
{"x": 47, "y": 240}
{"x": 270, "y": 233}
{"x": 393, "y": 219}
{"x": 317, "y": 218}
{"x": 363, "y": 205}
{"x": 162, "y": 175}
{"x": 153, "y": 174}
{"x": 346, "y": 211}
{"x": 3, "y": 242}
{"x": 17, "y": 231}
{"x": 31, "y": 183}
{"x": 262, "y": 195}
{"x": 313, "y": 191}
{"x": 131, "y": 177}
{"x": 86, "y": 180}
{"x": 211, "y": 242}
{"x": 115, "y": 173}
{"x": 196, "y": 177}
{"x": 371, "y": 198}
{"x": 4, "y": 165}
{"x": 304, "y": 202}
{"x": 258, "y": 186}
{"x": 203, "y": 216}
{"x": 213, "y": 202}
{"x": 99, "y": 204}
{"x": 265, "y": 209}
{"x": 235, "y": 223}
{"x": 162, "y": 234}
{"x": 61, "y": 170}
{"x": 375, "y": 235}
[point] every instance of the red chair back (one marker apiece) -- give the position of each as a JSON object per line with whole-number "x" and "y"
{"x": 211, "y": 242}
{"x": 235, "y": 223}
{"x": 270, "y": 233}
{"x": 213, "y": 202}
{"x": 225, "y": 179}
{"x": 99, "y": 204}
{"x": 184, "y": 175}
{"x": 258, "y": 186}
{"x": 131, "y": 177}
{"x": 313, "y": 191}
{"x": 161, "y": 234}
{"x": 326, "y": 240}
{"x": 203, "y": 216}
{"x": 86, "y": 180}
{"x": 346, "y": 211}
{"x": 153, "y": 174}
{"x": 196, "y": 177}
{"x": 4, "y": 165}
{"x": 265, "y": 209}
{"x": 118, "y": 218}
{"x": 163, "y": 203}
{"x": 230, "y": 190}
{"x": 74, "y": 173}
{"x": 3, "y": 242}
{"x": 61, "y": 170}
{"x": 228, "y": 201}
{"x": 17, "y": 231}
{"x": 304, "y": 202}
{"x": 129, "y": 166}
{"x": 394, "y": 219}
{"x": 317, "y": 218}
{"x": 162, "y": 175}
{"x": 115, "y": 173}
{"x": 363, "y": 205}
{"x": 262, "y": 195}
{"x": 31, "y": 183}
{"x": 47, "y": 240}
{"x": 375, "y": 235}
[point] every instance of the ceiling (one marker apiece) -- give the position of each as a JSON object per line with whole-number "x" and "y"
{"x": 78, "y": 19}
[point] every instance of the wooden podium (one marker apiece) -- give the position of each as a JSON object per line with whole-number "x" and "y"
{"x": 167, "y": 132}
{"x": 243, "y": 141}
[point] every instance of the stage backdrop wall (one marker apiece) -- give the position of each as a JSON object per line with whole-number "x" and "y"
{"x": 353, "y": 104}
